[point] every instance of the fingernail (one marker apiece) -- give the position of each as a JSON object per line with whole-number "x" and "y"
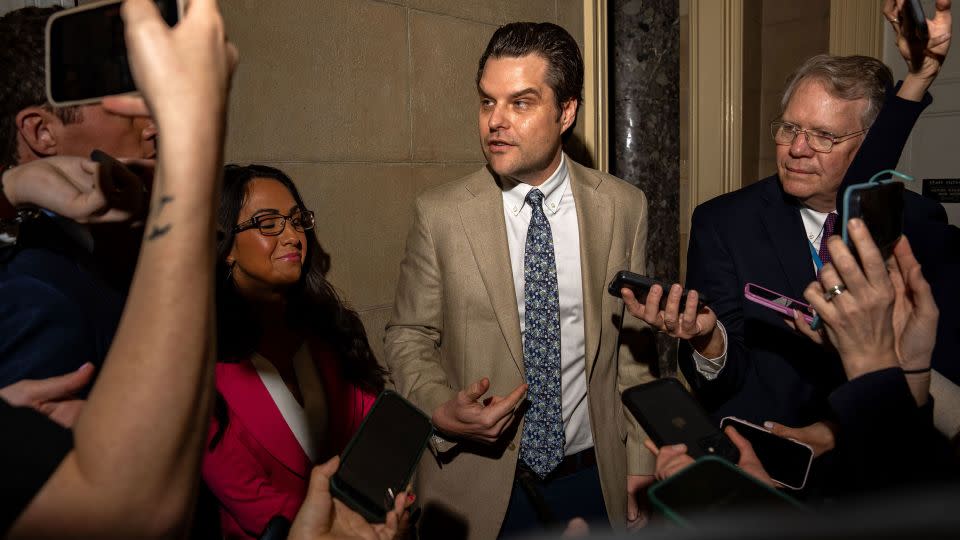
{"x": 86, "y": 365}
{"x": 768, "y": 424}
{"x": 855, "y": 223}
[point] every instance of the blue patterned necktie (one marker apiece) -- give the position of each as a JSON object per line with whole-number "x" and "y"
{"x": 542, "y": 443}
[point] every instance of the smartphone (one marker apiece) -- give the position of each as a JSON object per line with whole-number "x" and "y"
{"x": 670, "y": 415}
{"x": 640, "y": 285}
{"x": 880, "y": 206}
{"x": 786, "y": 460}
{"x": 914, "y": 23}
{"x": 87, "y": 55}
{"x": 712, "y": 486}
{"x": 380, "y": 459}
{"x": 777, "y": 302}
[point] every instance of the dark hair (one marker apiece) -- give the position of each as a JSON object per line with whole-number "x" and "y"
{"x": 553, "y": 43}
{"x": 313, "y": 306}
{"x": 845, "y": 77}
{"x": 22, "y": 74}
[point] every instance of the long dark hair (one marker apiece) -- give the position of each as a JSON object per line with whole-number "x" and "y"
{"x": 313, "y": 306}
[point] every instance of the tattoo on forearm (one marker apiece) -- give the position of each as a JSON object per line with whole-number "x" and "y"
{"x": 160, "y": 230}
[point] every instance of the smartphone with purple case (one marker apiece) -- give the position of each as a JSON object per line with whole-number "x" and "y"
{"x": 777, "y": 302}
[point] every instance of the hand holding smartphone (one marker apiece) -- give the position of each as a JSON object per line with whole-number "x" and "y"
{"x": 640, "y": 285}
{"x": 670, "y": 415}
{"x": 786, "y": 461}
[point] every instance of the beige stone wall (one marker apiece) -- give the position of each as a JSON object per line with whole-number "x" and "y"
{"x": 364, "y": 104}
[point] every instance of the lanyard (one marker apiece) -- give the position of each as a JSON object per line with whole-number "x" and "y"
{"x": 817, "y": 261}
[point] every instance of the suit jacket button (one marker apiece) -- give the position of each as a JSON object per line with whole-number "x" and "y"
{"x": 513, "y": 446}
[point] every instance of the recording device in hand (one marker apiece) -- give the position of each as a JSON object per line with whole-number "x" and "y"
{"x": 711, "y": 488}
{"x": 380, "y": 459}
{"x": 914, "y": 28}
{"x": 87, "y": 54}
{"x": 670, "y": 415}
{"x": 787, "y": 461}
{"x": 778, "y": 302}
{"x": 640, "y": 285}
{"x": 880, "y": 206}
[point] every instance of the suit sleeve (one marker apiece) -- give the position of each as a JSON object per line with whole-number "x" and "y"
{"x": 631, "y": 370}
{"x": 710, "y": 271}
{"x": 242, "y": 485}
{"x": 412, "y": 339}
{"x": 880, "y": 424}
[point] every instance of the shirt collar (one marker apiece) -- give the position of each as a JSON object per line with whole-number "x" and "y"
{"x": 813, "y": 221}
{"x": 515, "y": 193}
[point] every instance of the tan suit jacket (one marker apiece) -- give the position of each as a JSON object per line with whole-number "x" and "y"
{"x": 455, "y": 321}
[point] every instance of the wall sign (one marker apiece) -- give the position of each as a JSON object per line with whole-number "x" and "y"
{"x": 944, "y": 190}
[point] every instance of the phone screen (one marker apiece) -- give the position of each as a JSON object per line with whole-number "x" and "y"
{"x": 383, "y": 454}
{"x": 87, "y": 53}
{"x": 881, "y": 208}
{"x": 784, "y": 460}
{"x": 709, "y": 486}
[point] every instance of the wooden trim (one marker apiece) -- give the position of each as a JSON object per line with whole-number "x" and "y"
{"x": 856, "y": 27}
{"x": 594, "y": 114}
{"x": 716, "y": 102}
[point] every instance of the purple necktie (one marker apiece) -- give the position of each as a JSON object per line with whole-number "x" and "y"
{"x": 828, "y": 228}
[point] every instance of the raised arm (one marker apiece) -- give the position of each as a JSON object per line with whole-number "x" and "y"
{"x": 138, "y": 442}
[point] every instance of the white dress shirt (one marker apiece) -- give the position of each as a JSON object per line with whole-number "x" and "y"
{"x": 813, "y": 222}
{"x": 561, "y": 212}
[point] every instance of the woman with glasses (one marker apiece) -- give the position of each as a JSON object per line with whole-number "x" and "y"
{"x": 295, "y": 375}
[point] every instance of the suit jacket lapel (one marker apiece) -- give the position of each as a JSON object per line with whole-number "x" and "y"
{"x": 784, "y": 227}
{"x": 249, "y": 399}
{"x": 595, "y": 218}
{"x": 486, "y": 231}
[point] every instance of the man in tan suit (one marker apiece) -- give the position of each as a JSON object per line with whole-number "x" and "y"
{"x": 503, "y": 283}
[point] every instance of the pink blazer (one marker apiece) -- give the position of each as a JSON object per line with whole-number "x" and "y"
{"x": 258, "y": 469}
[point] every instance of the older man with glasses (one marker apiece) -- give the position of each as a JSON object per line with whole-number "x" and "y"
{"x": 837, "y": 125}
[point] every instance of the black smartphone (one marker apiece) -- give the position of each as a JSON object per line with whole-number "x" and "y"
{"x": 880, "y": 206}
{"x": 914, "y": 27}
{"x": 712, "y": 486}
{"x": 640, "y": 285}
{"x": 670, "y": 415}
{"x": 787, "y": 461}
{"x": 381, "y": 457}
{"x": 86, "y": 52}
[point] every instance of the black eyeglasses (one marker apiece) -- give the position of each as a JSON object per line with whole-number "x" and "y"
{"x": 784, "y": 133}
{"x": 273, "y": 224}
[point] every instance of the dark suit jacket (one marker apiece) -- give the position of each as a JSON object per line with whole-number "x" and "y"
{"x": 56, "y": 313}
{"x": 756, "y": 235}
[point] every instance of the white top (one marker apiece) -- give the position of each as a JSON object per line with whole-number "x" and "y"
{"x": 308, "y": 423}
{"x": 813, "y": 222}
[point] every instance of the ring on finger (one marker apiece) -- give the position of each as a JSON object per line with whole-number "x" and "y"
{"x": 836, "y": 290}
{"x": 894, "y": 20}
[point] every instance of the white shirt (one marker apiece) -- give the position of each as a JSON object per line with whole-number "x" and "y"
{"x": 561, "y": 212}
{"x": 813, "y": 222}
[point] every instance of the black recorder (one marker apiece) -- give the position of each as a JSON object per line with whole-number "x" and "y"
{"x": 670, "y": 415}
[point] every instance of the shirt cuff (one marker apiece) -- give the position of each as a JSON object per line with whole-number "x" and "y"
{"x": 710, "y": 368}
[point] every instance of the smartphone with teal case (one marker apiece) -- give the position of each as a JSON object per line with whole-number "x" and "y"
{"x": 879, "y": 204}
{"x": 712, "y": 486}
{"x": 381, "y": 457}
